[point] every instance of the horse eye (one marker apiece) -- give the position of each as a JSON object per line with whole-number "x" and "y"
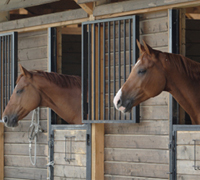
{"x": 19, "y": 91}
{"x": 142, "y": 71}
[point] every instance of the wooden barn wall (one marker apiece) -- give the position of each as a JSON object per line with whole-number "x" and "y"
{"x": 192, "y": 39}
{"x": 71, "y": 54}
{"x": 140, "y": 151}
{"x": 32, "y": 53}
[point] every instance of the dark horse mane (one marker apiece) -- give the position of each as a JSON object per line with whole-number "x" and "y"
{"x": 61, "y": 80}
{"x": 185, "y": 65}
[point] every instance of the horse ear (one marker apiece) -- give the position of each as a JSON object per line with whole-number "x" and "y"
{"x": 140, "y": 46}
{"x": 25, "y": 72}
{"x": 147, "y": 48}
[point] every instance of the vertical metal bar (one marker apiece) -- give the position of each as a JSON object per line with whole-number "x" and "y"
{"x": 104, "y": 71}
{"x": 109, "y": 71}
{"x": 1, "y": 87}
{"x": 89, "y": 71}
{"x": 3, "y": 71}
{"x": 6, "y": 73}
{"x": 119, "y": 54}
{"x": 94, "y": 72}
{"x": 135, "y": 25}
{"x": 114, "y": 66}
{"x": 14, "y": 62}
{"x": 84, "y": 70}
{"x": 9, "y": 72}
{"x": 99, "y": 73}
{"x": 130, "y": 64}
{"x": 124, "y": 22}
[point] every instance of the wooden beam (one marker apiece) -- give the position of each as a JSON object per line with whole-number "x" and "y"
{"x": 139, "y": 6}
{"x": 72, "y": 30}
{"x": 87, "y": 7}
{"x": 97, "y": 129}
{"x": 1, "y": 151}
{"x": 85, "y": 1}
{"x": 4, "y": 16}
{"x": 6, "y": 5}
{"x": 45, "y": 21}
{"x": 97, "y": 151}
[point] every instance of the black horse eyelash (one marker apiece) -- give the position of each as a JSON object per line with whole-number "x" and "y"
{"x": 142, "y": 71}
{"x": 19, "y": 91}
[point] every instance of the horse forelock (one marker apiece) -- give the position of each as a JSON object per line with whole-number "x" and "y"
{"x": 60, "y": 80}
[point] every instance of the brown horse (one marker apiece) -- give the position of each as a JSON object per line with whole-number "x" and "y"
{"x": 157, "y": 71}
{"x": 61, "y": 93}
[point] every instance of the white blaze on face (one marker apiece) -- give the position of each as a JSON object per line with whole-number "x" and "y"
{"x": 116, "y": 99}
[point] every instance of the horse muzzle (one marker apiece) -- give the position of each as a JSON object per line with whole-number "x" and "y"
{"x": 122, "y": 104}
{"x": 10, "y": 121}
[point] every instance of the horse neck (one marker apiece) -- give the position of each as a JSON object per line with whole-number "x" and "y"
{"x": 185, "y": 90}
{"x": 66, "y": 102}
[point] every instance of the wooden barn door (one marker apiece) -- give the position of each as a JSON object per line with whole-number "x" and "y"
{"x": 70, "y": 151}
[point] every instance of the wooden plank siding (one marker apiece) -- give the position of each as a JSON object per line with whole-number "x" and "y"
{"x": 32, "y": 53}
{"x": 185, "y": 155}
{"x": 140, "y": 151}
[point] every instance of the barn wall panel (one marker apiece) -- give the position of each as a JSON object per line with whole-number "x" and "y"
{"x": 140, "y": 151}
{"x": 32, "y": 51}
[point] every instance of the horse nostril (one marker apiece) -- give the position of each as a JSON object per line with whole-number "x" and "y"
{"x": 5, "y": 119}
{"x": 119, "y": 103}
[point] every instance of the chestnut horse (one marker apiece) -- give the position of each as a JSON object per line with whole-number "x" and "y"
{"x": 157, "y": 71}
{"x": 61, "y": 93}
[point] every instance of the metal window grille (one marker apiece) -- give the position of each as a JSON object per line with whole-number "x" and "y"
{"x": 8, "y": 66}
{"x": 109, "y": 51}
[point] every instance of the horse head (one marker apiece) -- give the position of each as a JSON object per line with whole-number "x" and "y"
{"x": 146, "y": 80}
{"x": 24, "y": 99}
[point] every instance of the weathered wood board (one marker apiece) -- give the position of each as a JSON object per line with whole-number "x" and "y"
{"x": 185, "y": 155}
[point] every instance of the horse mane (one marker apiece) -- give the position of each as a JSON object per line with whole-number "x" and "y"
{"x": 61, "y": 80}
{"x": 186, "y": 65}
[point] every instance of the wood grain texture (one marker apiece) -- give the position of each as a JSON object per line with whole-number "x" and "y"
{"x": 70, "y": 171}
{"x": 137, "y": 155}
{"x": 25, "y": 173}
{"x": 136, "y": 169}
{"x": 139, "y": 6}
{"x": 40, "y": 21}
{"x": 116, "y": 177}
{"x": 139, "y": 141}
{"x": 16, "y": 4}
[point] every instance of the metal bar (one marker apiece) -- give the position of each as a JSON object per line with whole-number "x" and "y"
{"x": 9, "y": 75}
{"x": 6, "y": 73}
{"x": 119, "y": 54}
{"x": 1, "y": 110}
{"x": 84, "y": 70}
{"x": 135, "y": 26}
{"x": 104, "y": 71}
{"x": 130, "y": 64}
{"x": 94, "y": 72}
{"x": 99, "y": 73}
{"x": 14, "y": 63}
{"x": 124, "y": 23}
{"x": 89, "y": 72}
{"x": 107, "y": 20}
{"x": 114, "y": 66}
{"x": 3, "y": 71}
{"x": 109, "y": 71}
